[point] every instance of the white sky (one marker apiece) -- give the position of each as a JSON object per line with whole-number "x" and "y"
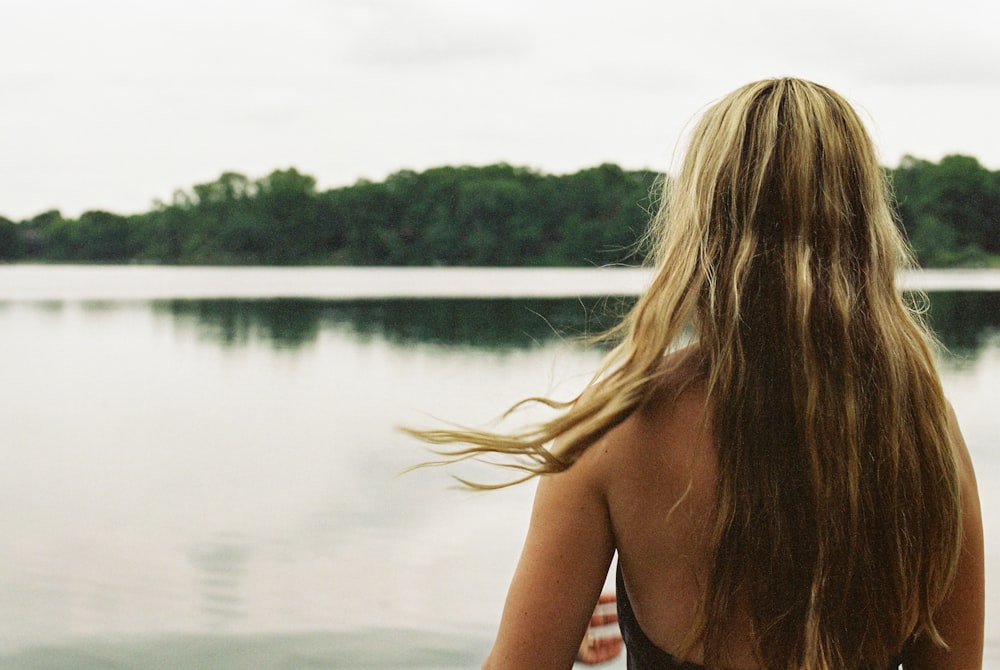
{"x": 108, "y": 104}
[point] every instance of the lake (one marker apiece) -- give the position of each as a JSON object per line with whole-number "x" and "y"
{"x": 202, "y": 468}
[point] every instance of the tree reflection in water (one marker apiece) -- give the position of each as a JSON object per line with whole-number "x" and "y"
{"x": 964, "y": 321}
{"x": 478, "y": 323}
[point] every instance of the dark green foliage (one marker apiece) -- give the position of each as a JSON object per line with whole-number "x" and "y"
{"x": 950, "y": 209}
{"x": 497, "y": 215}
{"x": 10, "y": 244}
{"x": 104, "y": 237}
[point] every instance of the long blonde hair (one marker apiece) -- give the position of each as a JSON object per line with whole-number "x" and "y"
{"x": 838, "y": 514}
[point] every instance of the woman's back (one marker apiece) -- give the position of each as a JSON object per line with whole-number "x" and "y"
{"x": 658, "y": 471}
{"x": 661, "y": 466}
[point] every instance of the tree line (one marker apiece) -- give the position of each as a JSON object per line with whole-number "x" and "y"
{"x": 497, "y": 215}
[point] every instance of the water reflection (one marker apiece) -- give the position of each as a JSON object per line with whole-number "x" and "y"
{"x": 964, "y": 321}
{"x": 480, "y": 323}
{"x": 285, "y": 323}
{"x": 220, "y": 565}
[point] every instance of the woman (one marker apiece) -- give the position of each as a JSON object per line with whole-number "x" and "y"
{"x": 788, "y": 490}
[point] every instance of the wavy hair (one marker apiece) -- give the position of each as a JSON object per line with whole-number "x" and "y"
{"x": 777, "y": 247}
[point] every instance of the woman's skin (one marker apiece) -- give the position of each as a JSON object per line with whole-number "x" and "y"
{"x": 647, "y": 490}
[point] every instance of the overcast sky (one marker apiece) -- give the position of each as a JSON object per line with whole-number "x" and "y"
{"x": 109, "y": 104}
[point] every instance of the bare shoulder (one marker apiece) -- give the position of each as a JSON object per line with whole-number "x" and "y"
{"x": 964, "y": 458}
{"x": 676, "y": 405}
{"x": 669, "y": 435}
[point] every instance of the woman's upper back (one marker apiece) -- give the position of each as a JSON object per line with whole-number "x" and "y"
{"x": 661, "y": 492}
{"x": 660, "y": 476}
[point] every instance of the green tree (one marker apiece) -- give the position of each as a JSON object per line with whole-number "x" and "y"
{"x": 366, "y": 208}
{"x": 605, "y": 216}
{"x": 10, "y": 240}
{"x": 950, "y": 209}
{"x": 50, "y": 236}
{"x": 223, "y": 231}
{"x": 286, "y": 216}
{"x": 102, "y": 236}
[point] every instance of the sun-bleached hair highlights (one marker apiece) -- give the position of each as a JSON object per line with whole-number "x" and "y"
{"x": 776, "y": 246}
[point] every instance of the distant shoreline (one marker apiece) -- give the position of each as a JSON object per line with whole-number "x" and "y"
{"x": 60, "y": 282}
{"x": 490, "y": 216}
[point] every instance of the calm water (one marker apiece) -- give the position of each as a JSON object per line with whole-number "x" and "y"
{"x": 212, "y": 483}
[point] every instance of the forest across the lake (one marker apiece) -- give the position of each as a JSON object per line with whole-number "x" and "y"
{"x": 494, "y": 215}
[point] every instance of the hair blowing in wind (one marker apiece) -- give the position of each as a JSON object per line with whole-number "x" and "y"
{"x": 776, "y": 253}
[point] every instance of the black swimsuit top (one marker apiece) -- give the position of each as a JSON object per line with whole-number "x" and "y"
{"x": 641, "y": 653}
